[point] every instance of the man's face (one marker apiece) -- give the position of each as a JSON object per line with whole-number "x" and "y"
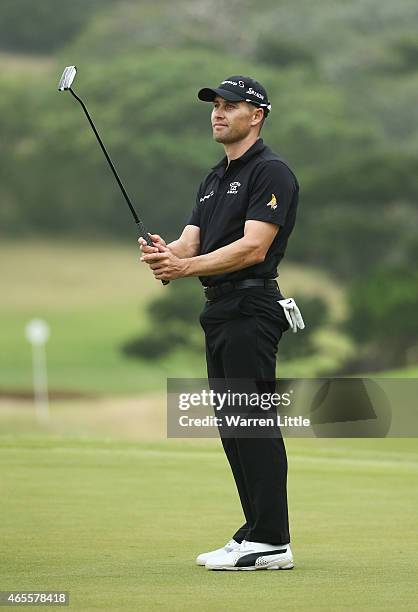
{"x": 232, "y": 121}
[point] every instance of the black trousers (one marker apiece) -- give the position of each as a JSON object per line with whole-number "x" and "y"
{"x": 242, "y": 331}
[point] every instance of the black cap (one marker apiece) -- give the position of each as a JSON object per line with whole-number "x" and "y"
{"x": 237, "y": 89}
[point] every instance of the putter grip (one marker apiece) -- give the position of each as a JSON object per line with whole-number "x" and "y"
{"x": 145, "y": 236}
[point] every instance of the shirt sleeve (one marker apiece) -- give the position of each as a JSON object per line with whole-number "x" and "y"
{"x": 271, "y": 193}
{"x": 194, "y": 218}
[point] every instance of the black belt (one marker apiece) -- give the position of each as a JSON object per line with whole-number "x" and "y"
{"x": 217, "y": 290}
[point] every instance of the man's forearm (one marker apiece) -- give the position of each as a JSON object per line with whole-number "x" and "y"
{"x": 188, "y": 244}
{"x": 240, "y": 254}
{"x": 181, "y": 249}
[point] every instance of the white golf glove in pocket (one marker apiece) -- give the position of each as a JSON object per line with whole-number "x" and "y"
{"x": 292, "y": 314}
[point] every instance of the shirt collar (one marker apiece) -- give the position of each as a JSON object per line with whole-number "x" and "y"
{"x": 257, "y": 147}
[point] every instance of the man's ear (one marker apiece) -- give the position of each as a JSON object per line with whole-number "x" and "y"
{"x": 258, "y": 115}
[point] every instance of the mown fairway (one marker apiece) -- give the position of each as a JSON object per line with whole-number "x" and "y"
{"x": 93, "y": 296}
{"x": 96, "y": 502}
{"x": 118, "y": 524}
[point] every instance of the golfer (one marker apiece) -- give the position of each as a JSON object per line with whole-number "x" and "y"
{"x": 235, "y": 238}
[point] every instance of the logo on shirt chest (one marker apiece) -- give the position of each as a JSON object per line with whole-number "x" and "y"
{"x": 233, "y": 187}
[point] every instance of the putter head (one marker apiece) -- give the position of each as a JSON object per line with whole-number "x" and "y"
{"x": 67, "y": 78}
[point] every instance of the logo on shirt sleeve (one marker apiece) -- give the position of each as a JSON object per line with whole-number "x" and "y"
{"x": 273, "y": 202}
{"x": 206, "y": 197}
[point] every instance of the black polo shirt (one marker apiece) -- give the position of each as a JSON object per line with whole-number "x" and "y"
{"x": 259, "y": 185}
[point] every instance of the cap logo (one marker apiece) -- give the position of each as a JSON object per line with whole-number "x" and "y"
{"x": 251, "y": 91}
{"x": 241, "y": 83}
{"x": 229, "y": 82}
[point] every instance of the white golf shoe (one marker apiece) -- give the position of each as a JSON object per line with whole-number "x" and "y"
{"x": 218, "y": 553}
{"x": 253, "y": 556}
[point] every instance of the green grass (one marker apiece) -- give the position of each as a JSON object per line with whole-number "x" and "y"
{"x": 118, "y": 525}
{"x": 94, "y": 297}
{"x": 84, "y": 352}
{"x": 409, "y": 372}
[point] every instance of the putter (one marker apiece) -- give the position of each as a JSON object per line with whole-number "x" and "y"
{"x": 65, "y": 83}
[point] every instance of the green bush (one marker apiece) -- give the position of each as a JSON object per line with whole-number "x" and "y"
{"x": 383, "y": 315}
{"x": 174, "y": 322}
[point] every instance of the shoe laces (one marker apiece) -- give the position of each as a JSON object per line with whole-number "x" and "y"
{"x": 245, "y": 546}
{"x": 229, "y": 546}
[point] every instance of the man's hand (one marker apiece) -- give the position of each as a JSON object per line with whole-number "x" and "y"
{"x": 165, "y": 265}
{"x": 158, "y": 242}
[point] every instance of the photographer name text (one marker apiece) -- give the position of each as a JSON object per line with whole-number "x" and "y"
{"x": 239, "y": 421}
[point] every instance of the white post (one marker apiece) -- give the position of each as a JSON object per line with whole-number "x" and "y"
{"x": 37, "y": 332}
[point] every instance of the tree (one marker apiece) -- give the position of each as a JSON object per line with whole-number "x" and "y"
{"x": 173, "y": 320}
{"x": 42, "y": 27}
{"x": 383, "y": 315}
